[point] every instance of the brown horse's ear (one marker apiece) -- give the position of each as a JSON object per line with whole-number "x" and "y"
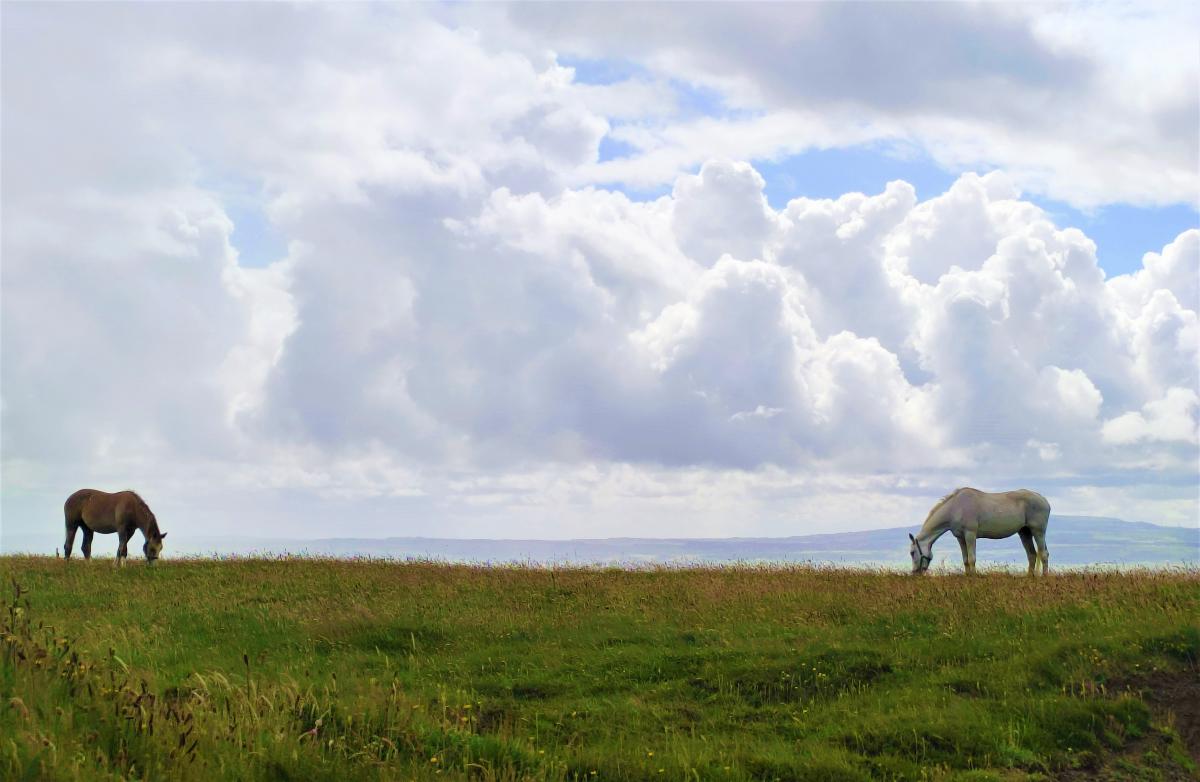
{"x": 162, "y": 536}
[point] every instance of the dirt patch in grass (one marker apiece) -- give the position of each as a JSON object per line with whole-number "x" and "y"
{"x": 1174, "y": 693}
{"x": 1174, "y": 699}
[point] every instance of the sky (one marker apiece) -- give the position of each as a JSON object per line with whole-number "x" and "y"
{"x": 584, "y": 270}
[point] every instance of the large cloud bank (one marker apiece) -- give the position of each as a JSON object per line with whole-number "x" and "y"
{"x": 463, "y": 333}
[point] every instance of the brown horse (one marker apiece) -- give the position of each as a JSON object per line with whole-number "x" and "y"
{"x": 123, "y": 513}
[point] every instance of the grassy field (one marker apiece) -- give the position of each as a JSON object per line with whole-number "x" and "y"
{"x": 343, "y": 670}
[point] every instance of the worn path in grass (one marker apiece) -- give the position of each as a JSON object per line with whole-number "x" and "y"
{"x": 324, "y": 669}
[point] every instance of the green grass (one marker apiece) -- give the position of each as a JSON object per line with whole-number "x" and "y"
{"x": 320, "y": 669}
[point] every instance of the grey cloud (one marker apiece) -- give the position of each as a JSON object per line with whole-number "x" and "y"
{"x": 894, "y": 56}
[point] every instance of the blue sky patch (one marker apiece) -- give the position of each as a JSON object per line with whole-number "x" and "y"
{"x": 830, "y": 173}
{"x": 1124, "y": 233}
{"x": 696, "y": 100}
{"x": 612, "y": 148}
{"x": 257, "y": 242}
{"x": 601, "y": 71}
{"x": 254, "y": 237}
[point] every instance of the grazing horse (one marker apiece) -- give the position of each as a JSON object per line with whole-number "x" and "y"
{"x": 123, "y": 513}
{"x": 969, "y": 514}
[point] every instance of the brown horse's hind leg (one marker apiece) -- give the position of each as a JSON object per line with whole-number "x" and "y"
{"x": 71, "y": 527}
{"x": 86, "y": 548}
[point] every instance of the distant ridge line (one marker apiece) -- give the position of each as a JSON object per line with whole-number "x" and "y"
{"x": 738, "y": 538}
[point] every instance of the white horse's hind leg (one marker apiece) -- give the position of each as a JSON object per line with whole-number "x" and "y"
{"x": 1030, "y": 551}
{"x": 1042, "y": 552}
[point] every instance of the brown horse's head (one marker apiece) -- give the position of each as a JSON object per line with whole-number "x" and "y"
{"x": 148, "y": 523}
{"x": 153, "y": 546}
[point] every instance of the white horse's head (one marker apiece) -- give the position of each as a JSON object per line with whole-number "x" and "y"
{"x": 921, "y": 558}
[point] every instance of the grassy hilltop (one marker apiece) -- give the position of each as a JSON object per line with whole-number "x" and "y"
{"x": 324, "y": 669}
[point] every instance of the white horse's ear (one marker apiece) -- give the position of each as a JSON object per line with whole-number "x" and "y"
{"x": 910, "y": 537}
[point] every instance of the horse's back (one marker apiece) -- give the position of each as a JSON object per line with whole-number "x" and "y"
{"x": 1000, "y": 514}
{"x": 98, "y": 510}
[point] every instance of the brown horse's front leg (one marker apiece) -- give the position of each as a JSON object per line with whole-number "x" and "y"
{"x": 122, "y": 546}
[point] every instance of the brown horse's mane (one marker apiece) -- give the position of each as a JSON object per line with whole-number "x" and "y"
{"x": 942, "y": 502}
{"x": 152, "y": 526}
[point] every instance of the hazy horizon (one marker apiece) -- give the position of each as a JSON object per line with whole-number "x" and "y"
{"x": 1075, "y": 542}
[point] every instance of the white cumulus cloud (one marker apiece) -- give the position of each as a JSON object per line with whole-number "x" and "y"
{"x": 468, "y": 333}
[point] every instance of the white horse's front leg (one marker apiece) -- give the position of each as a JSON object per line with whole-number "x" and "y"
{"x": 968, "y": 546}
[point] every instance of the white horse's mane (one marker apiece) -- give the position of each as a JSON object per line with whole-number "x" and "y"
{"x": 941, "y": 502}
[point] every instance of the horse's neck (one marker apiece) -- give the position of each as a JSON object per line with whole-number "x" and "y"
{"x": 146, "y": 522}
{"x": 932, "y": 530}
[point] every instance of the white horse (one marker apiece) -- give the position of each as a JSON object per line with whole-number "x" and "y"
{"x": 969, "y": 514}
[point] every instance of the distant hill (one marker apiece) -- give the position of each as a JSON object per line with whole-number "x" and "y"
{"x": 1074, "y": 541}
